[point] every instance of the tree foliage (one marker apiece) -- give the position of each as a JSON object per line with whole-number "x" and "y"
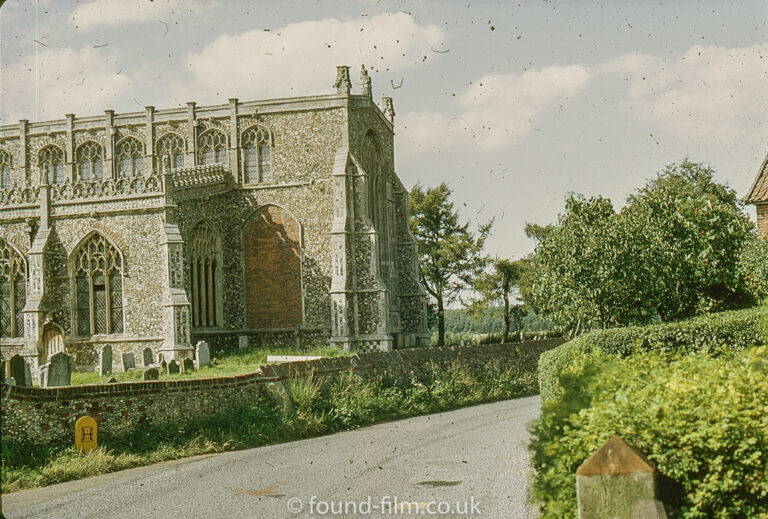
{"x": 495, "y": 288}
{"x": 671, "y": 253}
{"x": 449, "y": 253}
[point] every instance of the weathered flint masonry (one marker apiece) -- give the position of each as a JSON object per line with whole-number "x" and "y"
{"x": 263, "y": 222}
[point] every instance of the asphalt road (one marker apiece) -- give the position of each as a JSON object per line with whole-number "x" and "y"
{"x": 473, "y": 458}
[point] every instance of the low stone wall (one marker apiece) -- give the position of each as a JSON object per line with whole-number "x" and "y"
{"x": 34, "y": 415}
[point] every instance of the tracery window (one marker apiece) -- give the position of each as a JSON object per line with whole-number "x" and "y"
{"x": 98, "y": 271}
{"x": 172, "y": 146}
{"x": 370, "y": 157}
{"x": 129, "y": 156}
{"x": 13, "y": 291}
{"x": 5, "y": 170}
{"x": 50, "y": 160}
{"x": 212, "y": 147}
{"x": 204, "y": 265}
{"x": 90, "y": 162}
{"x": 257, "y": 155}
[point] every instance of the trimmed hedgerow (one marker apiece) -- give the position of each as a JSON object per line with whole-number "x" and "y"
{"x": 701, "y": 419}
{"x": 715, "y": 334}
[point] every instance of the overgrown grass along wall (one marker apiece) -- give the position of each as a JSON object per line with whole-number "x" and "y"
{"x": 237, "y": 412}
{"x": 716, "y": 334}
{"x": 702, "y": 419}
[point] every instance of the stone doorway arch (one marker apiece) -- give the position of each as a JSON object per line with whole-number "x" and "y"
{"x": 52, "y": 343}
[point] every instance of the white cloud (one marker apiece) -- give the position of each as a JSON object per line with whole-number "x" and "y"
{"x": 494, "y": 110}
{"x": 703, "y": 93}
{"x": 84, "y": 82}
{"x": 110, "y": 13}
{"x": 300, "y": 58}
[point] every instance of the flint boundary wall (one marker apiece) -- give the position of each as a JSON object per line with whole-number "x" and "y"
{"x": 33, "y": 415}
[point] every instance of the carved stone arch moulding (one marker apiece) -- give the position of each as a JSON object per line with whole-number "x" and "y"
{"x": 179, "y": 128}
{"x": 98, "y": 136}
{"x": 12, "y": 147}
{"x": 137, "y": 132}
{"x": 257, "y": 127}
{"x": 38, "y": 143}
{"x": 98, "y": 228}
{"x": 221, "y": 124}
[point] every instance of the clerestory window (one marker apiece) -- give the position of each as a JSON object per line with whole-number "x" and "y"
{"x": 50, "y": 160}
{"x": 257, "y": 155}
{"x": 129, "y": 156}
{"x": 5, "y": 170}
{"x": 98, "y": 271}
{"x": 90, "y": 162}
{"x": 212, "y": 147}
{"x": 171, "y": 146}
{"x": 13, "y": 291}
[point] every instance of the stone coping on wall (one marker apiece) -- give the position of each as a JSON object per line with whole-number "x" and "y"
{"x": 398, "y": 360}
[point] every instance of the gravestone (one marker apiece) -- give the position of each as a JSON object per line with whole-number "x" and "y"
{"x": 10, "y": 381}
{"x": 202, "y": 354}
{"x": 128, "y": 361}
{"x": 151, "y": 374}
{"x": 44, "y": 374}
{"x": 111, "y": 380}
{"x": 60, "y": 372}
{"x": 149, "y": 357}
{"x": 19, "y": 369}
{"x": 164, "y": 366}
{"x": 242, "y": 342}
{"x": 105, "y": 361}
{"x": 173, "y": 368}
{"x": 188, "y": 365}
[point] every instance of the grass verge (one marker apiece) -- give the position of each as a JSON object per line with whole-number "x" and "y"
{"x": 320, "y": 406}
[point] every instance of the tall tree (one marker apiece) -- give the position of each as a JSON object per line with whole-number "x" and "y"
{"x": 449, "y": 253}
{"x": 495, "y": 288}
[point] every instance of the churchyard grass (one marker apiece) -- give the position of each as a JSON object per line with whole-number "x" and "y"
{"x": 227, "y": 364}
{"x": 319, "y": 406}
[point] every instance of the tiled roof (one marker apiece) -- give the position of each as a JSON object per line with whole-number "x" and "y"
{"x": 759, "y": 191}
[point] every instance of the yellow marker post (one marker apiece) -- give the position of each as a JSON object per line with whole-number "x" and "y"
{"x": 86, "y": 430}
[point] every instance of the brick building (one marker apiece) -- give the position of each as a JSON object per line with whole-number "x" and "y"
{"x": 278, "y": 222}
{"x": 758, "y": 195}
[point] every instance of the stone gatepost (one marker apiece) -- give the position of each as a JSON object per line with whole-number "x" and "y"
{"x": 617, "y": 482}
{"x": 176, "y": 308}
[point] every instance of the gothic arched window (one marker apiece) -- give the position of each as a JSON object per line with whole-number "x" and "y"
{"x": 212, "y": 147}
{"x": 90, "y": 162}
{"x": 257, "y": 155}
{"x": 172, "y": 146}
{"x": 129, "y": 156}
{"x": 98, "y": 276}
{"x": 204, "y": 265}
{"x": 370, "y": 158}
{"x": 13, "y": 291}
{"x": 5, "y": 170}
{"x": 50, "y": 160}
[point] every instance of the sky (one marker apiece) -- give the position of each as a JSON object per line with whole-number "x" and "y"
{"x": 513, "y": 104}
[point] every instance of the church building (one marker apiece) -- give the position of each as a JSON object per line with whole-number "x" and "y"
{"x": 758, "y": 195}
{"x": 261, "y": 223}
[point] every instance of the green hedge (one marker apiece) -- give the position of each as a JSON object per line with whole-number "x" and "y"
{"x": 715, "y": 334}
{"x": 701, "y": 419}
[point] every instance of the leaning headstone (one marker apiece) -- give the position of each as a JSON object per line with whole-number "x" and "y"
{"x": 164, "y": 366}
{"x": 19, "y": 369}
{"x": 202, "y": 354}
{"x": 111, "y": 380}
{"x": 151, "y": 374}
{"x": 149, "y": 358}
{"x": 173, "y": 367}
{"x": 105, "y": 361}
{"x": 188, "y": 365}
{"x": 612, "y": 480}
{"x": 60, "y": 372}
{"x": 242, "y": 342}
{"x": 128, "y": 361}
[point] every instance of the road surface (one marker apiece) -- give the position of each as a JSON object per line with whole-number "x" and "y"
{"x": 472, "y": 461}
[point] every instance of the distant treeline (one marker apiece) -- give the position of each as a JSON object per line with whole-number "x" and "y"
{"x": 489, "y": 321}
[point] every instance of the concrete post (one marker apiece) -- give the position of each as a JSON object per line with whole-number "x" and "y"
{"x": 617, "y": 482}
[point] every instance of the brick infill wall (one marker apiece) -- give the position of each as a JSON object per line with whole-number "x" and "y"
{"x": 34, "y": 415}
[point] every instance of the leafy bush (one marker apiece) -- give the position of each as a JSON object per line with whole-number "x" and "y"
{"x": 715, "y": 334}
{"x": 753, "y": 267}
{"x": 701, "y": 419}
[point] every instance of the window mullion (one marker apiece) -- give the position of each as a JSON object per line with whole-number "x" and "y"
{"x": 92, "y": 305}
